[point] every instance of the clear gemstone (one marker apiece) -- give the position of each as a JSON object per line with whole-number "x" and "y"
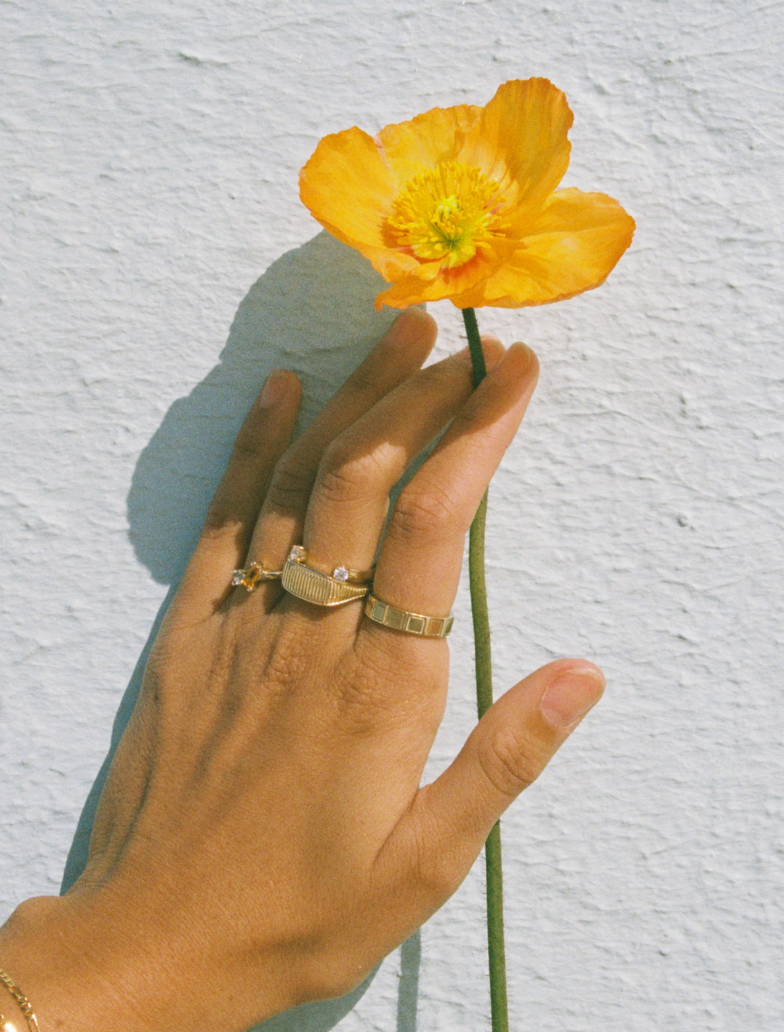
{"x": 341, "y": 573}
{"x": 297, "y": 553}
{"x": 237, "y": 578}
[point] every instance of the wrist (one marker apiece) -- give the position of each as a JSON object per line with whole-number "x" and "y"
{"x": 79, "y": 968}
{"x": 86, "y": 961}
{"x": 18, "y": 1015}
{"x": 49, "y": 949}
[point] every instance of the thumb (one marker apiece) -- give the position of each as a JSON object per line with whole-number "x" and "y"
{"x": 450, "y": 819}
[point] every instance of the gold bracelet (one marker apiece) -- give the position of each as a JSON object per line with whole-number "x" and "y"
{"x": 21, "y": 999}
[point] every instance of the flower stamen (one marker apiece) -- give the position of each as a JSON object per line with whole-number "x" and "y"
{"x": 447, "y": 213}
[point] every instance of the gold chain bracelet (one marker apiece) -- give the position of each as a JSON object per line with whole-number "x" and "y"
{"x": 21, "y": 999}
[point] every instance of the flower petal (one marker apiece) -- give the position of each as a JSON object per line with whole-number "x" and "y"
{"x": 571, "y": 246}
{"x": 520, "y": 140}
{"x": 433, "y": 282}
{"x": 413, "y": 289}
{"x": 350, "y": 190}
{"x": 435, "y": 135}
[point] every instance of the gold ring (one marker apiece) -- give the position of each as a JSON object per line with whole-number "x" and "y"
{"x": 319, "y": 588}
{"x": 340, "y": 573}
{"x": 249, "y": 576}
{"x": 411, "y": 623}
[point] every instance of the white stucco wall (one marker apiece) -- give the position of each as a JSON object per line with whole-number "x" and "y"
{"x": 149, "y": 156}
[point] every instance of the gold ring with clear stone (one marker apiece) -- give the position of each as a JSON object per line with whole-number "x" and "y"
{"x": 410, "y": 623}
{"x": 249, "y": 576}
{"x": 345, "y": 584}
{"x": 340, "y": 573}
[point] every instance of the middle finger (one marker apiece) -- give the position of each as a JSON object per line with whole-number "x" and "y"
{"x": 348, "y": 505}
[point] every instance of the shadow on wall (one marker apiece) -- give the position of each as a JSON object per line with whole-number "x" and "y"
{"x": 311, "y": 311}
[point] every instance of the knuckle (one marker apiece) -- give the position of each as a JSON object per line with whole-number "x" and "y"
{"x": 455, "y": 369}
{"x": 365, "y": 705}
{"x": 358, "y": 709}
{"x": 344, "y": 476}
{"x": 221, "y": 521}
{"x": 282, "y": 672}
{"x": 385, "y": 689}
{"x": 328, "y": 978}
{"x": 385, "y": 659}
{"x": 289, "y": 664}
{"x": 465, "y": 422}
{"x": 302, "y": 651}
{"x": 248, "y": 444}
{"x": 436, "y": 876}
{"x": 290, "y": 485}
{"x": 435, "y": 871}
{"x": 424, "y": 512}
{"x": 363, "y": 381}
{"x": 360, "y": 698}
{"x": 511, "y": 762}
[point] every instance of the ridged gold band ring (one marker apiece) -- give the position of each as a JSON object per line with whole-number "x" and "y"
{"x": 319, "y": 588}
{"x": 410, "y": 623}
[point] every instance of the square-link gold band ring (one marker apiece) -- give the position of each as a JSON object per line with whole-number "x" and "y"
{"x": 410, "y": 623}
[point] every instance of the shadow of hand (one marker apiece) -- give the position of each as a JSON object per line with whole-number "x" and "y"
{"x": 312, "y": 312}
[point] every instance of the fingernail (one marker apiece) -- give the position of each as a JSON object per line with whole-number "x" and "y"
{"x": 571, "y": 695}
{"x": 399, "y": 334}
{"x": 525, "y": 353}
{"x": 494, "y": 351}
{"x": 274, "y": 388}
{"x": 518, "y": 362}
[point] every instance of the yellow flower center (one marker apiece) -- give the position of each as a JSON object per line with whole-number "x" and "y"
{"x": 446, "y": 213}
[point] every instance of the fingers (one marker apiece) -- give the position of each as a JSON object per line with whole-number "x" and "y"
{"x": 420, "y": 561}
{"x": 348, "y": 505}
{"x": 401, "y": 352}
{"x": 224, "y": 541}
{"x": 441, "y": 835}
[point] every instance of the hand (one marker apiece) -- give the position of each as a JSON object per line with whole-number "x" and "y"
{"x": 262, "y": 839}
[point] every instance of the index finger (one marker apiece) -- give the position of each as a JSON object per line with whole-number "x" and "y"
{"x": 421, "y": 558}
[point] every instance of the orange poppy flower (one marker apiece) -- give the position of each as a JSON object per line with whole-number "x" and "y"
{"x": 461, "y": 203}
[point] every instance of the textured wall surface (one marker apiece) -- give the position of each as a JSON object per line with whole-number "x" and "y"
{"x": 155, "y": 262}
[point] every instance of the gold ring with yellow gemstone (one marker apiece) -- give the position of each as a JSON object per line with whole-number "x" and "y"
{"x": 249, "y": 576}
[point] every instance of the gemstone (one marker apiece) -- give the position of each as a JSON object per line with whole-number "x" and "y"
{"x": 297, "y": 553}
{"x": 341, "y": 573}
{"x": 237, "y": 578}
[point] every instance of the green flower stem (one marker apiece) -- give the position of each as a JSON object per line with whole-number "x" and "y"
{"x": 484, "y": 700}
